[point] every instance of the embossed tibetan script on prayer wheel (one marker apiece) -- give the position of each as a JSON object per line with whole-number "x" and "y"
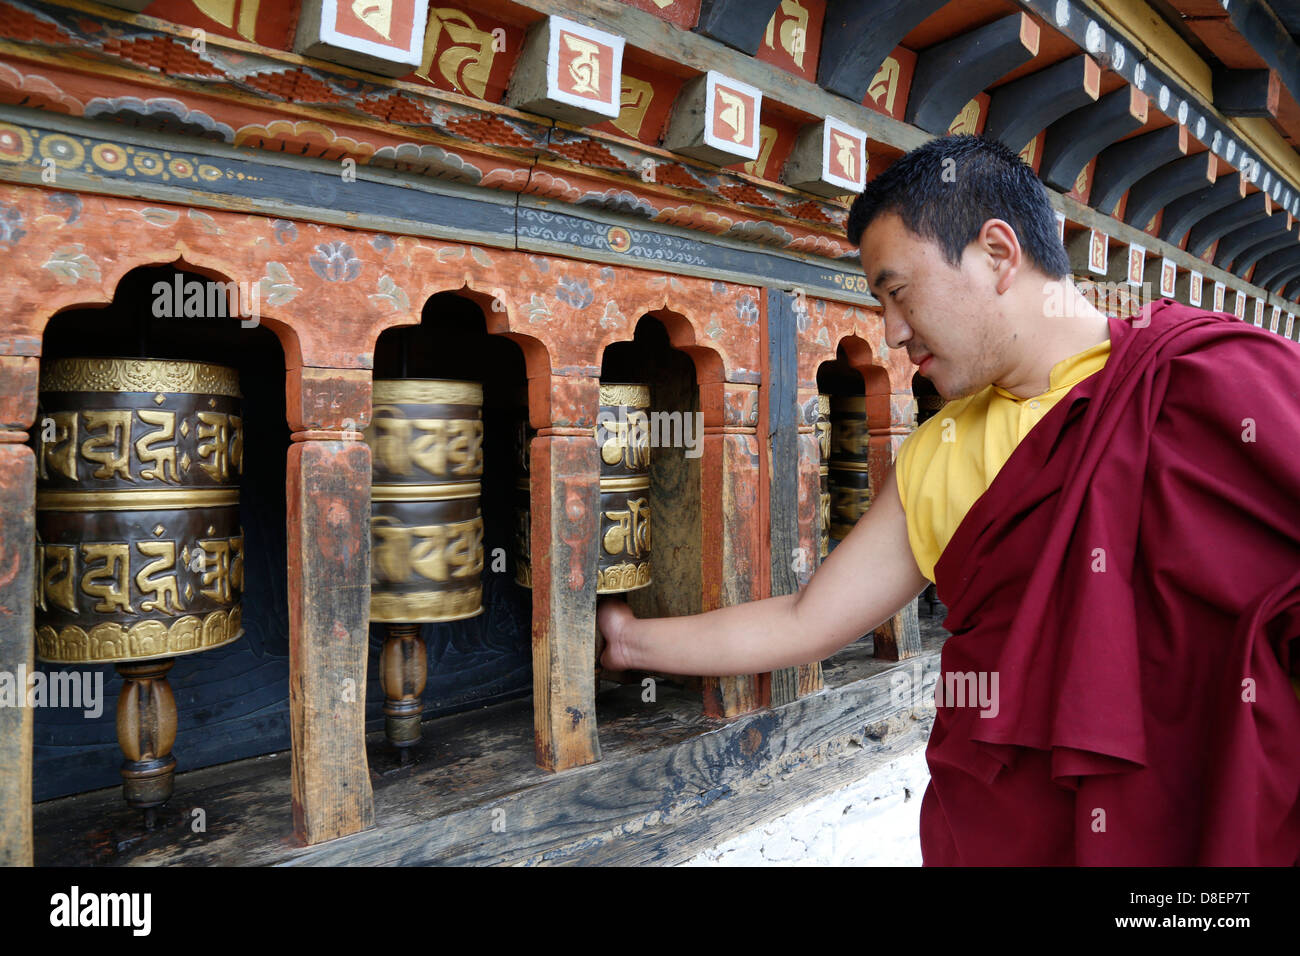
{"x": 426, "y": 559}
{"x": 824, "y": 471}
{"x": 623, "y": 437}
{"x": 850, "y": 485}
{"x": 426, "y": 438}
{"x": 139, "y": 549}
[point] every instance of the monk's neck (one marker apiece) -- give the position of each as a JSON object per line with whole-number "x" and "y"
{"x": 1034, "y": 375}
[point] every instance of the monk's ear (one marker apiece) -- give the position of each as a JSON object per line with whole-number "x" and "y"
{"x": 998, "y": 242}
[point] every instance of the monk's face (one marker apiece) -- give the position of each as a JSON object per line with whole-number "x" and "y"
{"x": 944, "y": 315}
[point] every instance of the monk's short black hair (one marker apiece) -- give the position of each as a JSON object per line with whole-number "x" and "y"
{"x": 947, "y": 189}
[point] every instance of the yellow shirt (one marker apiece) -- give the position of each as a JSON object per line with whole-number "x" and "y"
{"x": 951, "y": 459}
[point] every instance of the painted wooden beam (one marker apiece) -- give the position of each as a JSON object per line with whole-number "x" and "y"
{"x": 1276, "y": 266}
{"x": 1234, "y": 243}
{"x": 1156, "y": 190}
{"x": 1121, "y": 165}
{"x": 1183, "y": 213}
{"x": 1206, "y": 232}
{"x": 1251, "y": 255}
{"x": 1021, "y": 109}
{"x": 1247, "y": 92}
{"x": 949, "y": 74}
{"x": 1260, "y": 27}
{"x": 1074, "y": 139}
{"x": 857, "y": 36}
{"x": 738, "y": 23}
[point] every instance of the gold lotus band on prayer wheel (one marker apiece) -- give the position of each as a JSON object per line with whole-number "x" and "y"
{"x": 426, "y": 391}
{"x": 168, "y": 376}
{"x": 148, "y": 640}
{"x": 616, "y": 394}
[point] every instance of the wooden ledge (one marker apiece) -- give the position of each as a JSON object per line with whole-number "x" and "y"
{"x": 672, "y": 783}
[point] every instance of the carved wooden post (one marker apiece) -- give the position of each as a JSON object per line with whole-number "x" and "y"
{"x": 730, "y": 478}
{"x": 565, "y": 535}
{"x": 329, "y": 600}
{"x": 18, "y": 381}
{"x": 793, "y": 482}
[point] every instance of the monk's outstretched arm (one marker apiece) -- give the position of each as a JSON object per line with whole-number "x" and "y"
{"x": 869, "y": 576}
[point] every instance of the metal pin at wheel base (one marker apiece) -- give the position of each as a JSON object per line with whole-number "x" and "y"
{"x": 426, "y": 441}
{"x": 139, "y": 550}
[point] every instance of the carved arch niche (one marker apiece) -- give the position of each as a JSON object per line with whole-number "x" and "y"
{"x": 231, "y": 700}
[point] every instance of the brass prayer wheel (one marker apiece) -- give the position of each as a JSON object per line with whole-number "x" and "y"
{"x": 823, "y": 431}
{"x": 139, "y": 549}
{"x": 623, "y": 438}
{"x": 426, "y": 523}
{"x": 524, "y": 434}
{"x": 426, "y": 439}
{"x": 849, "y": 483}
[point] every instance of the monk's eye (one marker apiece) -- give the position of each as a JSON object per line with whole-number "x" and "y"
{"x": 893, "y": 293}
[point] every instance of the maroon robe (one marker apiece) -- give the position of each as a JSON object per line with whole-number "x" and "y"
{"x": 1132, "y": 576}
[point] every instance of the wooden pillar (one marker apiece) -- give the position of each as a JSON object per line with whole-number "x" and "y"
{"x": 792, "y": 462}
{"x": 731, "y": 482}
{"x": 329, "y": 600}
{"x": 809, "y": 489}
{"x": 19, "y": 375}
{"x": 900, "y": 637}
{"x": 565, "y": 535}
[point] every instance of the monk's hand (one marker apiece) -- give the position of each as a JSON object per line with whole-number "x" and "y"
{"x": 612, "y": 617}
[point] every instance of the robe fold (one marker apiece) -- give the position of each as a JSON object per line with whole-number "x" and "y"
{"x": 1129, "y": 586}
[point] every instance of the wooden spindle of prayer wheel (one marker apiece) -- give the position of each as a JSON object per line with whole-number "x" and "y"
{"x": 426, "y": 441}
{"x": 146, "y": 732}
{"x": 403, "y": 672}
{"x": 139, "y": 549}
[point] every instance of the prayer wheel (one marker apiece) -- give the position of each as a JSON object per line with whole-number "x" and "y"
{"x": 850, "y": 486}
{"x": 623, "y": 437}
{"x": 823, "y": 430}
{"x": 139, "y": 549}
{"x": 426, "y": 559}
{"x": 523, "y": 439}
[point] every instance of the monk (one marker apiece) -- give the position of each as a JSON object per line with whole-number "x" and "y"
{"x": 1109, "y": 508}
